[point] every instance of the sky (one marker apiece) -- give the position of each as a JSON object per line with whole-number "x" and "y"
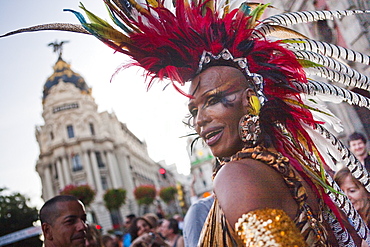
{"x": 26, "y": 61}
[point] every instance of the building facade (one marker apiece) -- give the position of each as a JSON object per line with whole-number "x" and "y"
{"x": 79, "y": 145}
{"x": 202, "y": 165}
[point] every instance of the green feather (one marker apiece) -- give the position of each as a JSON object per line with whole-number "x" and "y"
{"x": 95, "y": 19}
{"x": 109, "y": 33}
{"x": 258, "y": 11}
{"x": 289, "y": 41}
{"x": 308, "y": 64}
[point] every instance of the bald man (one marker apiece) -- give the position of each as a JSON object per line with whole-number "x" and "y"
{"x": 63, "y": 222}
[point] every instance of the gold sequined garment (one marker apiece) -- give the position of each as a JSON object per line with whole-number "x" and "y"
{"x": 217, "y": 231}
{"x": 268, "y": 227}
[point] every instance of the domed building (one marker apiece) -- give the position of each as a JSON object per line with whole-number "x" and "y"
{"x": 62, "y": 71}
{"x": 79, "y": 145}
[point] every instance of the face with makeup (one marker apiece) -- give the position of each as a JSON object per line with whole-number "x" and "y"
{"x": 219, "y": 101}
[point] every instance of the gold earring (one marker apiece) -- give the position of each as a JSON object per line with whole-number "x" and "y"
{"x": 249, "y": 125}
{"x": 249, "y": 129}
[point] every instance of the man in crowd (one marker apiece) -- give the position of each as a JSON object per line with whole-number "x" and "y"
{"x": 63, "y": 222}
{"x": 169, "y": 229}
{"x": 357, "y": 145}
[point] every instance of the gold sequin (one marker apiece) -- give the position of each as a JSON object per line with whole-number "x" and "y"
{"x": 269, "y": 228}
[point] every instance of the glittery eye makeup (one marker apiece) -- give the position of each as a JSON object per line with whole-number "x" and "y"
{"x": 225, "y": 94}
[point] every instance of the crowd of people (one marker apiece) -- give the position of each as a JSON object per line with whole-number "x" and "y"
{"x": 63, "y": 217}
{"x": 63, "y": 220}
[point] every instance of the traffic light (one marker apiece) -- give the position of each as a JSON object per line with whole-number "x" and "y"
{"x": 163, "y": 172}
{"x": 180, "y": 195}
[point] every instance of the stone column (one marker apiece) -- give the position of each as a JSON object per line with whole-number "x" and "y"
{"x": 87, "y": 167}
{"x": 127, "y": 178}
{"x": 96, "y": 172}
{"x": 113, "y": 172}
{"x": 48, "y": 183}
{"x": 67, "y": 170}
{"x": 60, "y": 172}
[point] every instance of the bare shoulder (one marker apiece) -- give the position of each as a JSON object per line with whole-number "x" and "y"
{"x": 180, "y": 241}
{"x": 246, "y": 185}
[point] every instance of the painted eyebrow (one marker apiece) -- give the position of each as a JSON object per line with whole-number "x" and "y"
{"x": 229, "y": 89}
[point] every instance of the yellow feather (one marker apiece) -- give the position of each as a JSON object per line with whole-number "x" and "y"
{"x": 153, "y": 3}
{"x": 226, "y": 7}
{"x": 138, "y": 7}
{"x": 255, "y": 105}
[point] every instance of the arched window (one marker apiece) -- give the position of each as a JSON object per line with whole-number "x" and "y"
{"x": 70, "y": 131}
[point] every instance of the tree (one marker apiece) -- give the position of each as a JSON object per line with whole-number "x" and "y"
{"x": 145, "y": 194}
{"x": 167, "y": 194}
{"x": 83, "y": 192}
{"x": 114, "y": 199}
{"x": 16, "y": 215}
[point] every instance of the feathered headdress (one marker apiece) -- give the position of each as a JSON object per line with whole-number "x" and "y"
{"x": 178, "y": 39}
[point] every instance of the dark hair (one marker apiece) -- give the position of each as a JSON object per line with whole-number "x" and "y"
{"x": 131, "y": 216}
{"x": 93, "y": 236}
{"x": 133, "y": 229}
{"x": 174, "y": 225}
{"x": 49, "y": 211}
{"x": 356, "y": 136}
{"x": 106, "y": 238}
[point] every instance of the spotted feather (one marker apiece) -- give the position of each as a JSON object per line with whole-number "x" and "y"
{"x": 340, "y": 199}
{"x": 363, "y": 80}
{"x": 339, "y": 77}
{"x": 352, "y": 163}
{"x": 292, "y": 18}
{"x": 52, "y": 26}
{"x": 318, "y": 87}
{"x": 330, "y": 50}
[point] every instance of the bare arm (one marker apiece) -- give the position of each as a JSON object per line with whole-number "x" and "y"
{"x": 246, "y": 185}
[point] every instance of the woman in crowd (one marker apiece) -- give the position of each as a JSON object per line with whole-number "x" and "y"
{"x": 138, "y": 227}
{"x": 356, "y": 193}
{"x": 144, "y": 232}
{"x": 253, "y": 103}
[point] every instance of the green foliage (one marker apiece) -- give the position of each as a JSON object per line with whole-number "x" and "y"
{"x": 16, "y": 215}
{"x": 114, "y": 198}
{"x": 167, "y": 194}
{"x": 83, "y": 192}
{"x": 145, "y": 194}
